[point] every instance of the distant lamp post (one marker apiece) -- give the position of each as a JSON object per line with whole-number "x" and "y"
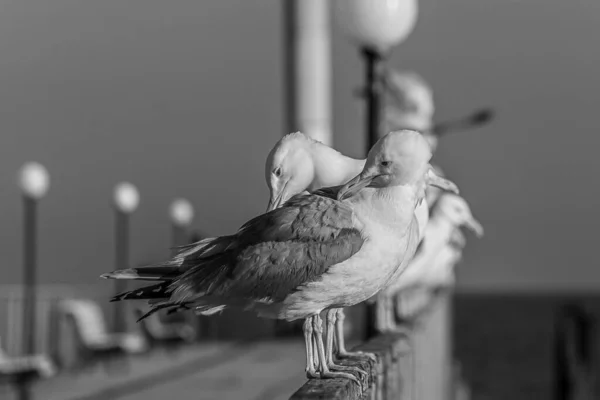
{"x": 126, "y": 199}
{"x": 34, "y": 181}
{"x": 376, "y": 26}
{"x": 181, "y": 212}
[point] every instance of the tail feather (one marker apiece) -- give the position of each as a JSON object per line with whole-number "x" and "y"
{"x": 159, "y": 291}
{"x": 191, "y": 274}
{"x": 188, "y": 256}
{"x": 155, "y": 273}
{"x": 209, "y": 310}
{"x": 171, "y": 307}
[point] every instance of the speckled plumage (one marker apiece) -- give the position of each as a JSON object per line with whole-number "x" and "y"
{"x": 275, "y": 253}
{"x": 265, "y": 261}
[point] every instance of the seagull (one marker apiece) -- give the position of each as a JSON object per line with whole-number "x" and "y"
{"x": 409, "y": 104}
{"x": 441, "y": 272}
{"x": 449, "y": 214}
{"x": 413, "y": 301}
{"x": 332, "y": 249}
{"x": 435, "y": 257}
{"x": 300, "y": 164}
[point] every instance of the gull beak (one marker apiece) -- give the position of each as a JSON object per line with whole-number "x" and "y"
{"x": 275, "y": 201}
{"x": 278, "y": 197}
{"x": 434, "y": 180}
{"x": 356, "y": 184}
{"x": 474, "y": 226}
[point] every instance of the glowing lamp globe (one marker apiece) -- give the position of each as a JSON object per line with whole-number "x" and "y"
{"x": 34, "y": 180}
{"x": 126, "y": 197}
{"x": 377, "y": 24}
{"x": 182, "y": 212}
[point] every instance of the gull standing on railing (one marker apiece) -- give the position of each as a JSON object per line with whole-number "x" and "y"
{"x": 328, "y": 250}
{"x": 298, "y": 163}
{"x": 431, "y": 259}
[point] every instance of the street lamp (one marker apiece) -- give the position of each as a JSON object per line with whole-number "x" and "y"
{"x": 126, "y": 199}
{"x": 181, "y": 212}
{"x": 376, "y": 26}
{"x": 34, "y": 181}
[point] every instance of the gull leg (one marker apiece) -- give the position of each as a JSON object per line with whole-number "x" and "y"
{"x": 382, "y": 318}
{"x": 390, "y": 314}
{"x": 341, "y": 345}
{"x": 316, "y": 352}
{"x": 325, "y": 372}
{"x": 308, "y": 339}
{"x": 331, "y": 319}
{"x": 407, "y": 330}
{"x": 408, "y": 333}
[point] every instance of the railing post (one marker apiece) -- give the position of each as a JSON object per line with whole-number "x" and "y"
{"x": 34, "y": 182}
{"x": 575, "y": 370}
{"x": 433, "y": 349}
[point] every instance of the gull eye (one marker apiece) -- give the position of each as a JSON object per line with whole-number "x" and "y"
{"x": 412, "y": 107}
{"x": 386, "y": 163}
{"x": 277, "y": 172}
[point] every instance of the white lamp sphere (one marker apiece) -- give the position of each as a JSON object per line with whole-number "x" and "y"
{"x": 182, "y": 212}
{"x": 377, "y": 24}
{"x": 126, "y": 197}
{"x": 34, "y": 180}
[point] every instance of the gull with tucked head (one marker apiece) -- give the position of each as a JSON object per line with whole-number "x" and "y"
{"x": 296, "y": 164}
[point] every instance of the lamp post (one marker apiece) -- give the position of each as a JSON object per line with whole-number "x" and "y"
{"x": 126, "y": 200}
{"x": 376, "y": 26}
{"x": 181, "y": 212}
{"x": 34, "y": 182}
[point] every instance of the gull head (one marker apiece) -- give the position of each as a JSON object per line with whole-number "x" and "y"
{"x": 399, "y": 158}
{"x": 289, "y": 169}
{"x": 410, "y": 104}
{"x": 409, "y": 93}
{"x": 456, "y": 209}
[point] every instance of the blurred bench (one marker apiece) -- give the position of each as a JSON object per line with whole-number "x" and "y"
{"x": 93, "y": 341}
{"x": 24, "y": 368}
